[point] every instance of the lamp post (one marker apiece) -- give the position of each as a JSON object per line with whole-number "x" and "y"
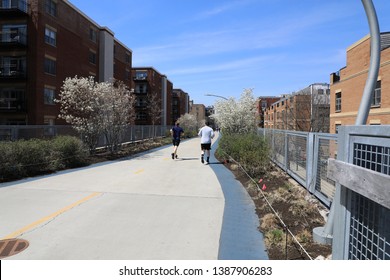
{"x": 208, "y": 94}
{"x": 324, "y": 235}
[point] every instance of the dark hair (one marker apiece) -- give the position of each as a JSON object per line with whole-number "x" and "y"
{"x": 207, "y": 123}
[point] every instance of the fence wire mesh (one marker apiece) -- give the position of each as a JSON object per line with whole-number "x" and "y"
{"x": 130, "y": 133}
{"x": 304, "y": 156}
{"x": 369, "y": 230}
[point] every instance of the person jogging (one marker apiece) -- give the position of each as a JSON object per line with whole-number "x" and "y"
{"x": 206, "y": 133}
{"x": 176, "y": 133}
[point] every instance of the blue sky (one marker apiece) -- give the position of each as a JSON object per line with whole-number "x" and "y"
{"x": 222, "y": 47}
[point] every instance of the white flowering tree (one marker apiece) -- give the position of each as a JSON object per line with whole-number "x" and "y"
{"x": 189, "y": 123}
{"x": 154, "y": 110}
{"x": 236, "y": 116}
{"x": 80, "y": 106}
{"x": 94, "y": 109}
{"x": 117, "y": 111}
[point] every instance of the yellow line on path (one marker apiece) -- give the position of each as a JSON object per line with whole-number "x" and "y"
{"x": 139, "y": 171}
{"x": 49, "y": 217}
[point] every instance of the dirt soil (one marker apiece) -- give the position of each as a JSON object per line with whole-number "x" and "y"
{"x": 299, "y": 214}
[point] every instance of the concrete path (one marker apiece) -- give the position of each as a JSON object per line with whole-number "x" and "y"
{"x": 145, "y": 207}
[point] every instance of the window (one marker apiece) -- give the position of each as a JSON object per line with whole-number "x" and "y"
{"x": 51, "y": 7}
{"x": 50, "y": 66}
{"x": 93, "y": 35}
{"x": 141, "y": 75}
{"x": 141, "y": 116}
{"x": 128, "y": 58}
{"x": 14, "y": 33}
{"x": 337, "y": 128}
{"x": 376, "y": 98}
{"x": 140, "y": 88}
{"x": 50, "y": 36}
{"x": 11, "y": 99}
{"x": 10, "y": 4}
{"x": 141, "y": 102}
{"x": 48, "y": 96}
{"x": 92, "y": 57}
{"x": 338, "y": 102}
{"x": 12, "y": 66}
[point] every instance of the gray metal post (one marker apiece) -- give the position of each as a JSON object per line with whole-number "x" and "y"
{"x": 324, "y": 235}
{"x": 372, "y": 78}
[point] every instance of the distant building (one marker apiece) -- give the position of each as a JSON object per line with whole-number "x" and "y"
{"x": 180, "y": 104}
{"x": 347, "y": 85}
{"x": 41, "y": 44}
{"x": 262, "y": 103}
{"x": 304, "y": 110}
{"x": 199, "y": 111}
{"x": 152, "y": 90}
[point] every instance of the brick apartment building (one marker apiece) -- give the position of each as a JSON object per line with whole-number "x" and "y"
{"x": 262, "y": 103}
{"x": 152, "y": 89}
{"x": 180, "y": 104}
{"x": 305, "y": 110}
{"x": 347, "y": 85}
{"x": 199, "y": 111}
{"x": 42, "y": 43}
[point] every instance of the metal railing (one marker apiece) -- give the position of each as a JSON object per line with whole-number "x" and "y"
{"x": 131, "y": 133}
{"x": 351, "y": 172}
{"x": 13, "y": 36}
{"x": 361, "y": 229}
{"x": 304, "y": 156}
{"x": 14, "y": 4}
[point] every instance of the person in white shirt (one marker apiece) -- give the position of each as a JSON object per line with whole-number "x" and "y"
{"x": 206, "y": 133}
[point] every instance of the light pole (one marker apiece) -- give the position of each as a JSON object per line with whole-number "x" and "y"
{"x": 324, "y": 235}
{"x": 208, "y": 94}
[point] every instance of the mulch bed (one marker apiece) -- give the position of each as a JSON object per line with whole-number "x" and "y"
{"x": 299, "y": 211}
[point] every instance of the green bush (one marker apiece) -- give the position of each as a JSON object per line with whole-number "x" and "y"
{"x": 68, "y": 152}
{"x": 250, "y": 150}
{"x": 23, "y": 158}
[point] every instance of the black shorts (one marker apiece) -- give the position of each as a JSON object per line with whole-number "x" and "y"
{"x": 205, "y": 146}
{"x": 175, "y": 142}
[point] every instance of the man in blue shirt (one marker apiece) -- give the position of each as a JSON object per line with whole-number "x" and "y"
{"x": 176, "y": 133}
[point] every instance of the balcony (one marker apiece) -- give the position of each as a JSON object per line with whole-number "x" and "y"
{"x": 9, "y": 74}
{"x": 12, "y": 8}
{"x": 12, "y": 40}
{"x": 334, "y": 77}
{"x": 12, "y": 106}
{"x": 140, "y": 78}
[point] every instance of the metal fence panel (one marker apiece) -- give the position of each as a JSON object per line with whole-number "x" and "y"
{"x": 362, "y": 221}
{"x": 325, "y": 147}
{"x": 279, "y": 148}
{"x": 369, "y": 222}
{"x": 304, "y": 156}
{"x": 26, "y": 132}
{"x": 369, "y": 234}
{"x": 297, "y": 156}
